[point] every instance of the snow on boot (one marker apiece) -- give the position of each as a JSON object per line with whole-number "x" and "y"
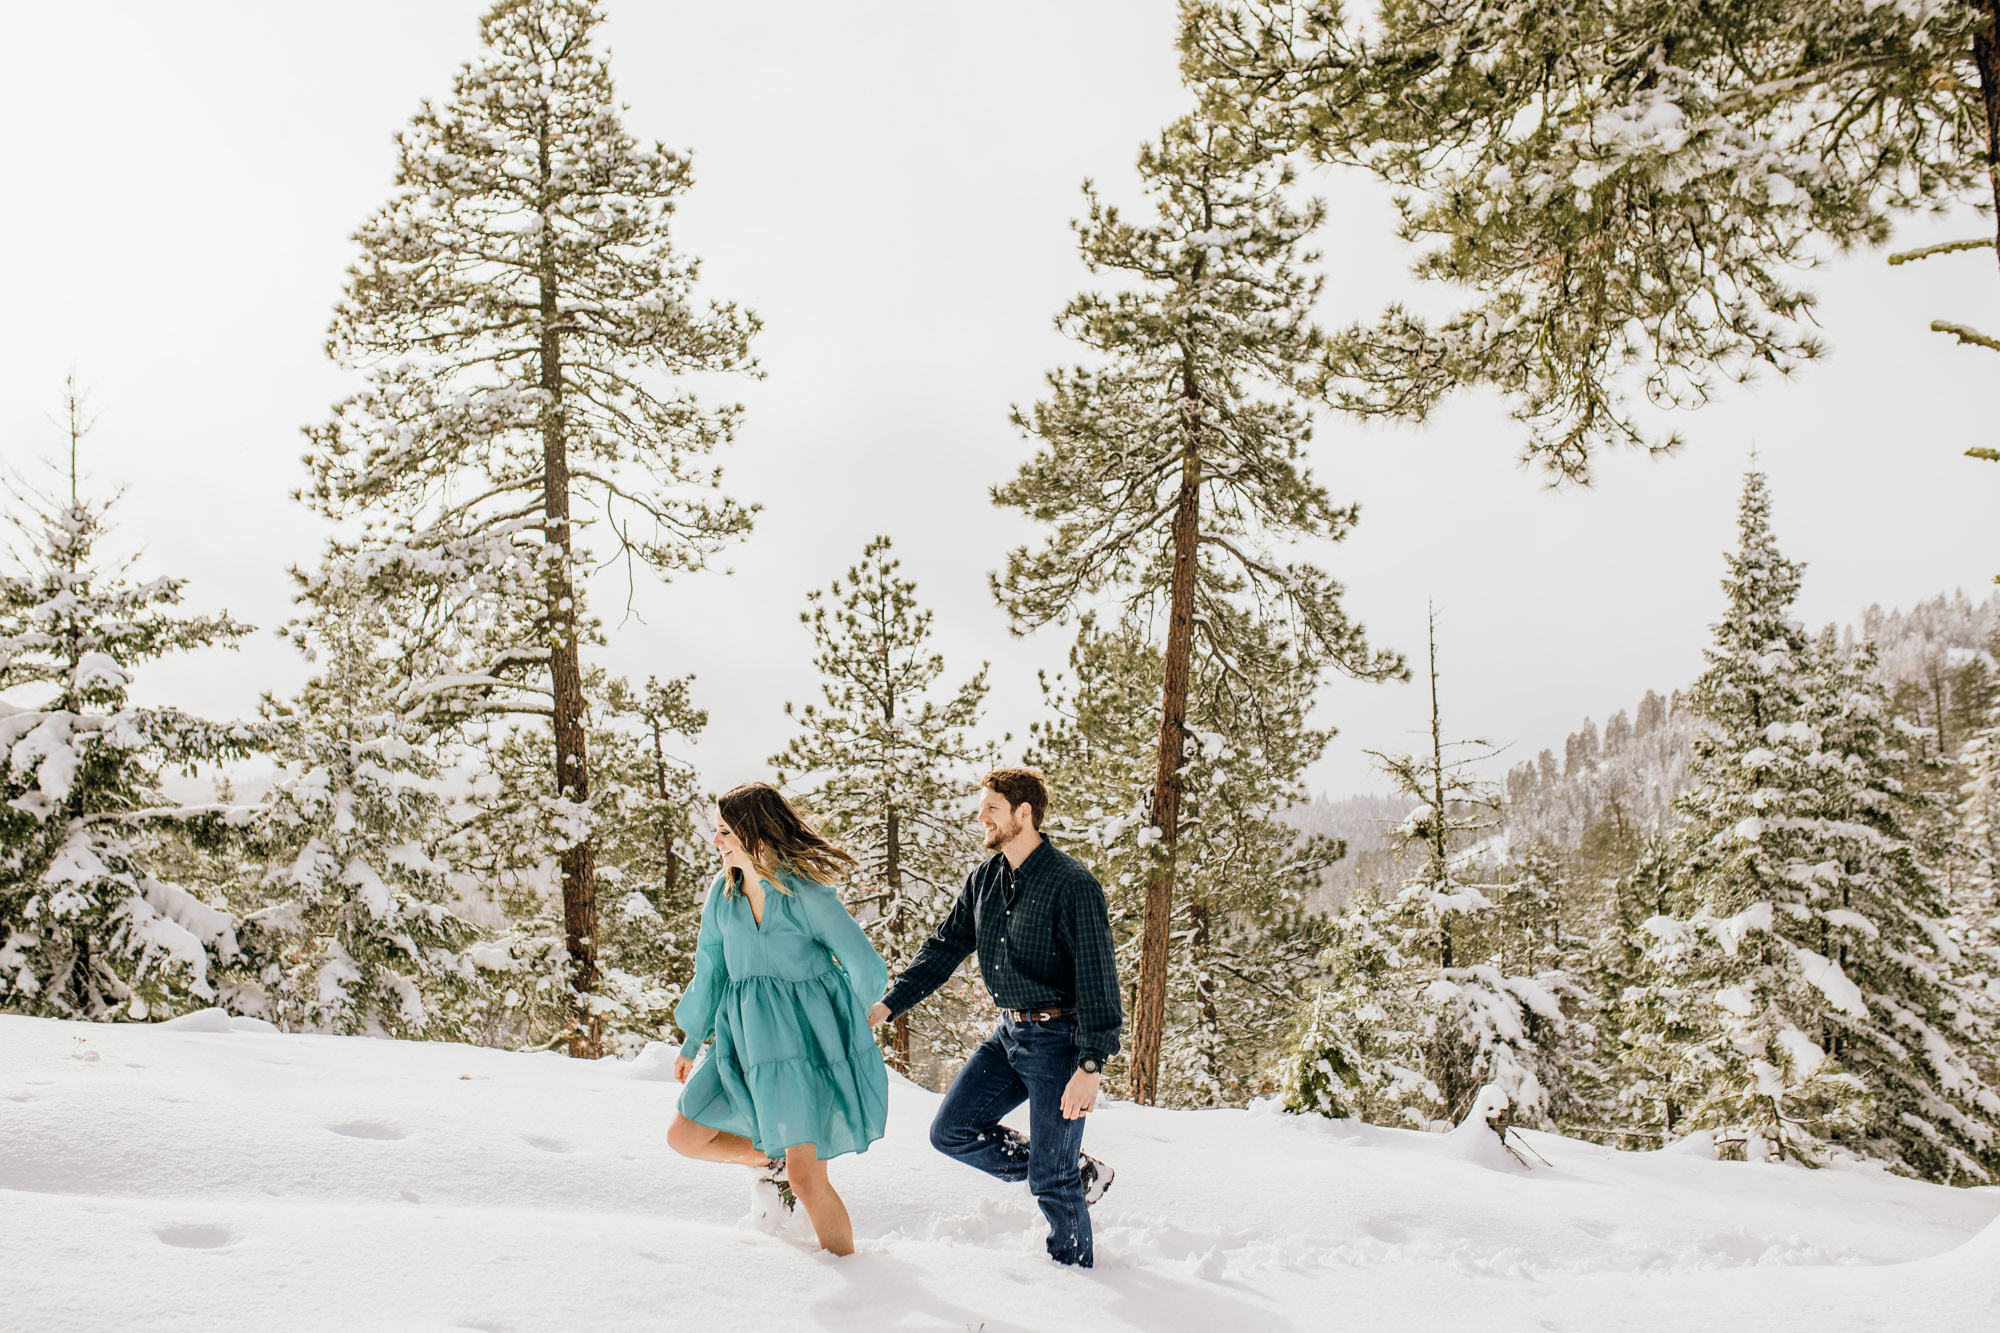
{"x": 774, "y": 1174}
{"x": 1097, "y": 1177}
{"x": 771, "y": 1200}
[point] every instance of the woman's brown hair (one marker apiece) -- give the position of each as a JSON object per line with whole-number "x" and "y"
{"x": 773, "y": 835}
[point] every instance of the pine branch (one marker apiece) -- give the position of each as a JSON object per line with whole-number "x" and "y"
{"x": 1943, "y": 248}
{"x": 1969, "y": 336}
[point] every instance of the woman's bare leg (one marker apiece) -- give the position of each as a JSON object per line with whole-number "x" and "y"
{"x": 703, "y": 1144}
{"x": 818, "y": 1197}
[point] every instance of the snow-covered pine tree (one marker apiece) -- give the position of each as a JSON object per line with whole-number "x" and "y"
{"x": 655, "y": 854}
{"x": 1979, "y": 817}
{"x": 1097, "y": 748}
{"x": 1357, "y": 1049}
{"x": 1625, "y": 190}
{"x": 888, "y": 765}
{"x": 355, "y": 919}
{"x": 358, "y": 933}
{"x": 1754, "y": 1076}
{"x": 1482, "y": 1021}
{"x": 1452, "y": 1014}
{"x": 656, "y": 840}
{"x": 1888, "y": 928}
{"x": 520, "y": 314}
{"x": 1631, "y": 1087}
{"x": 91, "y": 923}
{"x": 1531, "y": 934}
{"x": 1804, "y": 937}
{"x": 1248, "y": 943}
{"x": 1975, "y": 905}
{"x": 644, "y": 805}
{"x": 1168, "y": 481}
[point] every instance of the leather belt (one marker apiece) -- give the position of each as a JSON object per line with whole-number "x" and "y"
{"x": 1034, "y": 1015}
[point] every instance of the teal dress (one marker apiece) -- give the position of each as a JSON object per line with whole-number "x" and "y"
{"x": 787, "y": 1003}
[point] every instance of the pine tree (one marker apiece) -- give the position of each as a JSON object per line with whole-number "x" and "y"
{"x": 1975, "y": 906}
{"x": 1918, "y": 1051}
{"x": 1635, "y": 1085}
{"x": 1357, "y": 1050}
{"x": 654, "y": 854}
{"x": 91, "y": 923}
{"x": 1169, "y": 482}
{"x": 1804, "y": 927}
{"x": 1456, "y": 1009}
{"x": 1248, "y": 943}
{"x": 1755, "y": 1078}
{"x": 356, "y": 919}
{"x": 358, "y": 932}
{"x": 520, "y": 314}
{"x": 1531, "y": 935}
{"x": 1482, "y": 1021}
{"x": 1625, "y": 190}
{"x": 654, "y": 838}
{"x": 888, "y": 767}
{"x": 643, "y": 806}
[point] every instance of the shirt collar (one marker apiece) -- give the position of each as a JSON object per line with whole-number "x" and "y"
{"x": 1031, "y": 862}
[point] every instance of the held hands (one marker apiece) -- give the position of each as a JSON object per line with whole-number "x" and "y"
{"x": 1080, "y": 1097}
{"x": 681, "y": 1067}
{"x": 878, "y": 1015}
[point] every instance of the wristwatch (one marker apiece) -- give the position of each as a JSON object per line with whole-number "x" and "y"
{"x": 1090, "y": 1064}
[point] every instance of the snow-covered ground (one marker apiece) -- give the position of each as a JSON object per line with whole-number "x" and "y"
{"x": 203, "y": 1176}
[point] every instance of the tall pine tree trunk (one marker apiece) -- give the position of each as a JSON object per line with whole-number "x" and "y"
{"x": 565, "y": 666}
{"x": 1986, "y": 55}
{"x": 899, "y": 1044}
{"x": 1150, "y": 1009}
{"x": 899, "y": 1030}
{"x": 1440, "y": 842}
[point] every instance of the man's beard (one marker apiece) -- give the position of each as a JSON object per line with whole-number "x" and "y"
{"x": 1002, "y": 834}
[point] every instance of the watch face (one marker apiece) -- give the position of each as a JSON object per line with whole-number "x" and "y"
{"x": 1088, "y": 1066}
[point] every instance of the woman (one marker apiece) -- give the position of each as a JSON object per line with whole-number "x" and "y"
{"x": 783, "y": 982}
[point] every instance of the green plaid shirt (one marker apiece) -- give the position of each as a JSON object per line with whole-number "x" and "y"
{"x": 1044, "y": 942}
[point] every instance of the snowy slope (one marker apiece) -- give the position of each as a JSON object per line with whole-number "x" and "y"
{"x": 194, "y": 1175}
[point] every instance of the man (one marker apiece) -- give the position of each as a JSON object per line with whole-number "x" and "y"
{"x": 1037, "y": 919}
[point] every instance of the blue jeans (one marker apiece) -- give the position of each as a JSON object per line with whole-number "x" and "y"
{"x": 1019, "y": 1062}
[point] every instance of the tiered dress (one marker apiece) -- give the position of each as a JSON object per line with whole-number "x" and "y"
{"x": 787, "y": 1001}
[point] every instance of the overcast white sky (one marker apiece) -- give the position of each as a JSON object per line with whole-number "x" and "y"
{"x": 888, "y": 184}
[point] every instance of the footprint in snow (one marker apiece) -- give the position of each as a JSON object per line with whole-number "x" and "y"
{"x": 195, "y": 1237}
{"x": 369, "y": 1129}
{"x": 545, "y": 1143}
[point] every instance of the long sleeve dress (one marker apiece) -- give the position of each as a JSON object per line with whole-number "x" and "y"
{"x": 787, "y": 1004}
